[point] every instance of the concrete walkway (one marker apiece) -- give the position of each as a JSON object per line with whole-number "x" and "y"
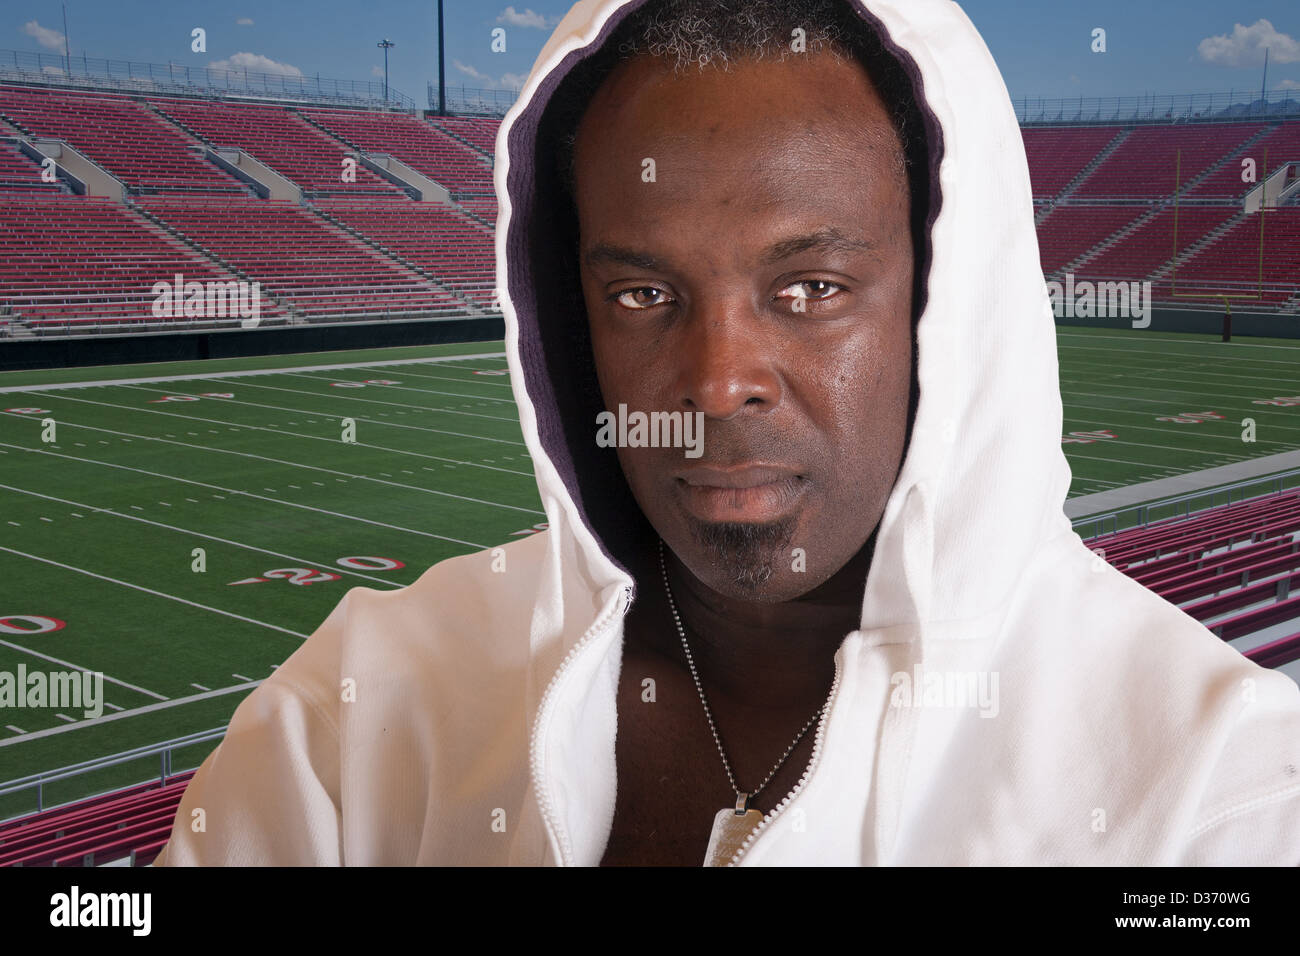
{"x": 1148, "y": 491}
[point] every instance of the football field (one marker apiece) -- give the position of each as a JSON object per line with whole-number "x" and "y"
{"x": 183, "y": 527}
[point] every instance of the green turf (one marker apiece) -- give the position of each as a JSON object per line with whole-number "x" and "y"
{"x": 1126, "y": 381}
{"x": 100, "y": 525}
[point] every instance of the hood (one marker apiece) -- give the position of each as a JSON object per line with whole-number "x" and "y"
{"x": 983, "y": 479}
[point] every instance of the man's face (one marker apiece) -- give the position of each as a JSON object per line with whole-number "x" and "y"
{"x": 694, "y": 284}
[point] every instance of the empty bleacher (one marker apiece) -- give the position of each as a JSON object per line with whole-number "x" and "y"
{"x": 431, "y": 236}
{"x": 131, "y": 824}
{"x": 1103, "y": 190}
{"x": 123, "y": 136}
{"x": 279, "y": 138}
{"x": 1152, "y": 159}
{"x": 1235, "y": 568}
{"x": 418, "y": 143}
{"x": 1058, "y": 154}
{"x": 21, "y": 173}
{"x": 318, "y": 269}
{"x": 75, "y": 262}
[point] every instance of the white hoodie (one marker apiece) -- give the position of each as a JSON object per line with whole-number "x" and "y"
{"x": 1115, "y": 730}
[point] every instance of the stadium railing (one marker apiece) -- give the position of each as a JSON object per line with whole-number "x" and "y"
{"x": 48, "y": 69}
{"x": 164, "y": 751}
{"x": 1184, "y": 506}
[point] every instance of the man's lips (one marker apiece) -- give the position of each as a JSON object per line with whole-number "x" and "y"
{"x": 746, "y": 492}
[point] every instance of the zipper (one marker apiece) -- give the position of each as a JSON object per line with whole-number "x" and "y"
{"x": 618, "y": 609}
{"x": 807, "y": 774}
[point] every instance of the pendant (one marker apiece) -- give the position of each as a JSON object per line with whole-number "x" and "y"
{"x": 731, "y": 827}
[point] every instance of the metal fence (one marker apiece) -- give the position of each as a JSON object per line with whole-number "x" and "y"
{"x": 1184, "y": 506}
{"x": 163, "y": 751}
{"x": 465, "y": 99}
{"x": 1154, "y": 107}
{"x": 130, "y": 76}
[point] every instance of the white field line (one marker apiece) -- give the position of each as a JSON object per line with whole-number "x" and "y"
{"x": 351, "y": 397}
{"x": 352, "y": 393}
{"x": 249, "y": 494}
{"x": 280, "y": 431}
{"x": 492, "y": 380}
{"x": 281, "y": 408}
{"x": 1190, "y": 376}
{"x": 133, "y": 712}
{"x": 161, "y": 594}
{"x": 337, "y": 569}
{"x": 77, "y": 667}
{"x": 1136, "y": 343}
{"x": 268, "y": 371}
{"x": 291, "y": 464}
{"x": 1191, "y": 429}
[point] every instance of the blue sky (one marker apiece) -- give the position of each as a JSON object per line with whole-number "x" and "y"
{"x": 1043, "y": 48}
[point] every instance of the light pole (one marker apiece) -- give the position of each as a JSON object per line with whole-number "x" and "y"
{"x": 385, "y": 45}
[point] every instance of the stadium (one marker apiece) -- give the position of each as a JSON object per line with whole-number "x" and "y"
{"x": 208, "y": 275}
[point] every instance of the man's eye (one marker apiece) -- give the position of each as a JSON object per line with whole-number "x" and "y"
{"x": 815, "y": 288}
{"x": 629, "y": 301}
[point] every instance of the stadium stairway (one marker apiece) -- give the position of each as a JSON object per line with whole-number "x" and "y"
{"x": 1102, "y": 155}
{"x": 357, "y": 235}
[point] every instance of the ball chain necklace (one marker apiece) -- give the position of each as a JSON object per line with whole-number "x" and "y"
{"x": 730, "y": 825}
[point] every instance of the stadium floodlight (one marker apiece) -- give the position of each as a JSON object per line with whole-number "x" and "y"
{"x": 385, "y": 45}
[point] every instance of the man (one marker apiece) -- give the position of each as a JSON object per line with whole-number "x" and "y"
{"x": 856, "y": 629}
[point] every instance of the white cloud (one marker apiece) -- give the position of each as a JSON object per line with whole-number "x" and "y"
{"x": 528, "y": 18}
{"x": 50, "y": 39}
{"x": 1288, "y": 85}
{"x": 508, "y": 81}
{"x": 470, "y": 71}
{"x": 53, "y": 70}
{"x": 1245, "y": 47}
{"x": 243, "y": 22}
{"x": 377, "y": 71}
{"x": 255, "y": 63}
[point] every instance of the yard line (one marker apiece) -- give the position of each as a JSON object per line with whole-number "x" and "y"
{"x": 133, "y": 712}
{"x": 1237, "y": 379}
{"x": 493, "y": 381}
{"x": 1157, "y": 401}
{"x": 161, "y": 594}
{"x": 294, "y": 464}
{"x": 249, "y": 494}
{"x": 268, "y": 371}
{"x": 1141, "y": 444}
{"x": 300, "y": 411}
{"x": 1190, "y": 431}
{"x": 352, "y": 396}
{"x": 76, "y": 667}
{"x": 1160, "y": 343}
{"x": 281, "y": 431}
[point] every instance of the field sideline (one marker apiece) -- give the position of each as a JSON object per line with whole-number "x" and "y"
{"x": 243, "y": 458}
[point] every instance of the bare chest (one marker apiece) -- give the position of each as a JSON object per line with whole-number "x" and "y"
{"x": 671, "y": 777}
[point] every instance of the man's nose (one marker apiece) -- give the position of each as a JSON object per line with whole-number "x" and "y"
{"x": 726, "y": 362}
